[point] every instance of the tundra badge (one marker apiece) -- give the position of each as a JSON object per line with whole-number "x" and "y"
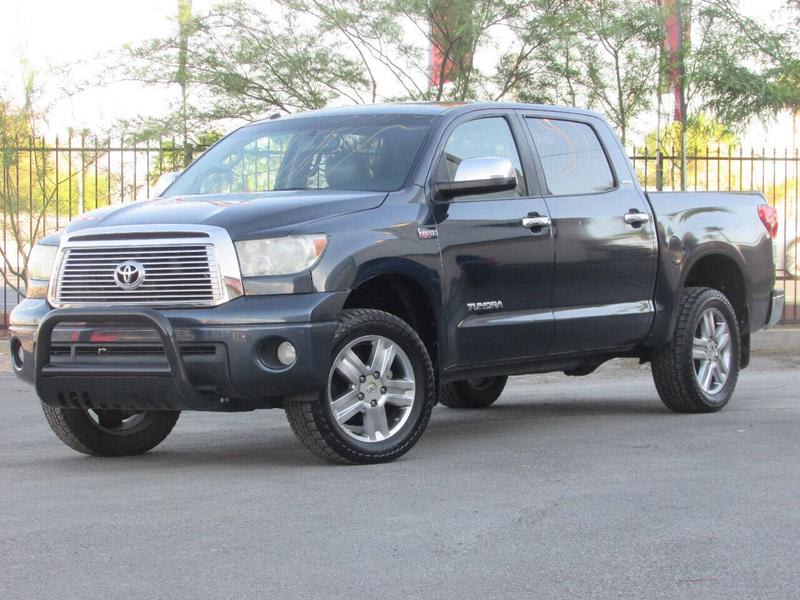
{"x": 488, "y": 305}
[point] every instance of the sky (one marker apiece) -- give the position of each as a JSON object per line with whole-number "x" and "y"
{"x": 46, "y": 33}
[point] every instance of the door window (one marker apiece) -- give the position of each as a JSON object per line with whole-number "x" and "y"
{"x": 490, "y": 136}
{"x": 572, "y": 158}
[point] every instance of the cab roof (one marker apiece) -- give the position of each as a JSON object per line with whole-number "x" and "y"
{"x": 431, "y": 108}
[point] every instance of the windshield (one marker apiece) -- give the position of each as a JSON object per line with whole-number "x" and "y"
{"x": 358, "y": 153}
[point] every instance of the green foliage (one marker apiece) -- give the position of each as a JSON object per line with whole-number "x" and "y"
{"x": 705, "y": 137}
{"x": 702, "y": 132}
{"x": 173, "y": 156}
{"x": 623, "y": 64}
{"x": 746, "y": 69}
{"x": 784, "y": 195}
{"x": 600, "y": 54}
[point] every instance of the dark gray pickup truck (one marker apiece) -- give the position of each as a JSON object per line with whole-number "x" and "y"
{"x": 355, "y": 266}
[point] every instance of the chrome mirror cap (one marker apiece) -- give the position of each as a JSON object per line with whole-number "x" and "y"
{"x": 483, "y": 168}
{"x": 476, "y": 176}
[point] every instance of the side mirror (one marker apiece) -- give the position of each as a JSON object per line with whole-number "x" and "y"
{"x": 163, "y": 182}
{"x": 484, "y": 175}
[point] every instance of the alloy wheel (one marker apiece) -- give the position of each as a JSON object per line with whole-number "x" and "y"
{"x": 712, "y": 351}
{"x": 371, "y": 388}
{"x": 118, "y": 422}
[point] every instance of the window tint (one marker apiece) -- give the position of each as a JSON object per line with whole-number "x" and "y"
{"x": 480, "y": 138}
{"x": 572, "y": 157}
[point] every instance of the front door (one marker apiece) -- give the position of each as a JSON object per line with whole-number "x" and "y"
{"x": 605, "y": 239}
{"x": 497, "y": 272}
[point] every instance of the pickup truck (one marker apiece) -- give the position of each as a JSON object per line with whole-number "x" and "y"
{"x": 355, "y": 266}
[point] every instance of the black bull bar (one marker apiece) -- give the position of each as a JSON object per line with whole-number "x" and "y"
{"x": 153, "y": 386}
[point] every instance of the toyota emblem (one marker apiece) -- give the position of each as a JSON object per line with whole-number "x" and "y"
{"x": 129, "y": 275}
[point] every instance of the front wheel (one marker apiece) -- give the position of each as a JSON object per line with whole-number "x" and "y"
{"x": 697, "y": 371}
{"x": 110, "y": 432}
{"x": 379, "y": 395}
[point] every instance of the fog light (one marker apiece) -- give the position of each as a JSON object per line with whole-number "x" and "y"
{"x": 287, "y": 354}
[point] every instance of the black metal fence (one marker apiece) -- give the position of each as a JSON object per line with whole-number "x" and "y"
{"x": 46, "y": 185}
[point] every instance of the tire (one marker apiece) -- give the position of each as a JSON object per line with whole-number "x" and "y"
{"x": 375, "y": 424}
{"x": 678, "y": 367}
{"x": 472, "y": 393}
{"x": 110, "y": 432}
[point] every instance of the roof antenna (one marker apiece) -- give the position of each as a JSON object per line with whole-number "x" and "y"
{"x": 274, "y": 116}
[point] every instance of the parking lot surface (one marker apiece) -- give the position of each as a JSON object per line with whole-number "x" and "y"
{"x": 568, "y": 487}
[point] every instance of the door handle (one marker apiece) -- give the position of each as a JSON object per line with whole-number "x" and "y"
{"x": 532, "y": 221}
{"x": 636, "y": 218}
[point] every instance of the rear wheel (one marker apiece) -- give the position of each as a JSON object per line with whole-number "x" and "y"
{"x": 379, "y": 395}
{"x": 472, "y": 393}
{"x": 697, "y": 371}
{"x": 110, "y": 432}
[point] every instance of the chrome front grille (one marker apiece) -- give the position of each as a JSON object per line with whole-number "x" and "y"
{"x": 172, "y": 274}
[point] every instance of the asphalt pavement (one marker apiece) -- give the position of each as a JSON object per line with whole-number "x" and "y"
{"x": 567, "y": 487}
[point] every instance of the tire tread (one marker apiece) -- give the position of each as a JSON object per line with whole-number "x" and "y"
{"x": 313, "y": 430}
{"x": 73, "y": 427}
{"x": 675, "y": 383}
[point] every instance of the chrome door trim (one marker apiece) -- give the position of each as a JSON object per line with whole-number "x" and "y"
{"x": 622, "y": 309}
{"x": 518, "y": 317}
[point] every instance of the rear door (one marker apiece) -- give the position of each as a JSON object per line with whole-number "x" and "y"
{"x": 604, "y": 234}
{"x": 497, "y": 273}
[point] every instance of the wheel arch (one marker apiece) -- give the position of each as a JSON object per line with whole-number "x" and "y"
{"x": 406, "y": 291}
{"x": 723, "y": 271}
{"x": 719, "y": 270}
{"x": 717, "y": 265}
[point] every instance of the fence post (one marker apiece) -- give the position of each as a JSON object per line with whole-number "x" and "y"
{"x": 188, "y": 153}
{"x": 659, "y": 170}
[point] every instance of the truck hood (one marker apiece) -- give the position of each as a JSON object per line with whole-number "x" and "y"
{"x": 242, "y": 215}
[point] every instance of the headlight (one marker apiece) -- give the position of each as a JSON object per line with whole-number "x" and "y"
{"x": 40, "y": 266}
{"x": 280, "y": 256}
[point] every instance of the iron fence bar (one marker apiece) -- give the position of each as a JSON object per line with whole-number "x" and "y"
{"x": 95, "y": 160}
{"x": 69, "y": 177}
{"x": 122, "y": 172}
{"x": 108, "y": 172}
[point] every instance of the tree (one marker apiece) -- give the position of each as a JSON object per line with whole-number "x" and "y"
{"x": 544, "y": 66}
{"x": 168, "y": 62}
{"x": 391, "y": 59}
{"x": 703, "y": 135}
{"x": 32, "y": 190}
{"x": 622, "y": 65}
{"x": 243, "y": 62}
{"x": 600, "y": 54}
{"x": 745, "y": 69}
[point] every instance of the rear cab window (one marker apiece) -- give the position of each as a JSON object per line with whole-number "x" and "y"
{"x": 572, "y": 158}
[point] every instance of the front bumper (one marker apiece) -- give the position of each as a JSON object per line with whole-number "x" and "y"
{"x": 775, "y": 308}
{"x": 180, "y": 359}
